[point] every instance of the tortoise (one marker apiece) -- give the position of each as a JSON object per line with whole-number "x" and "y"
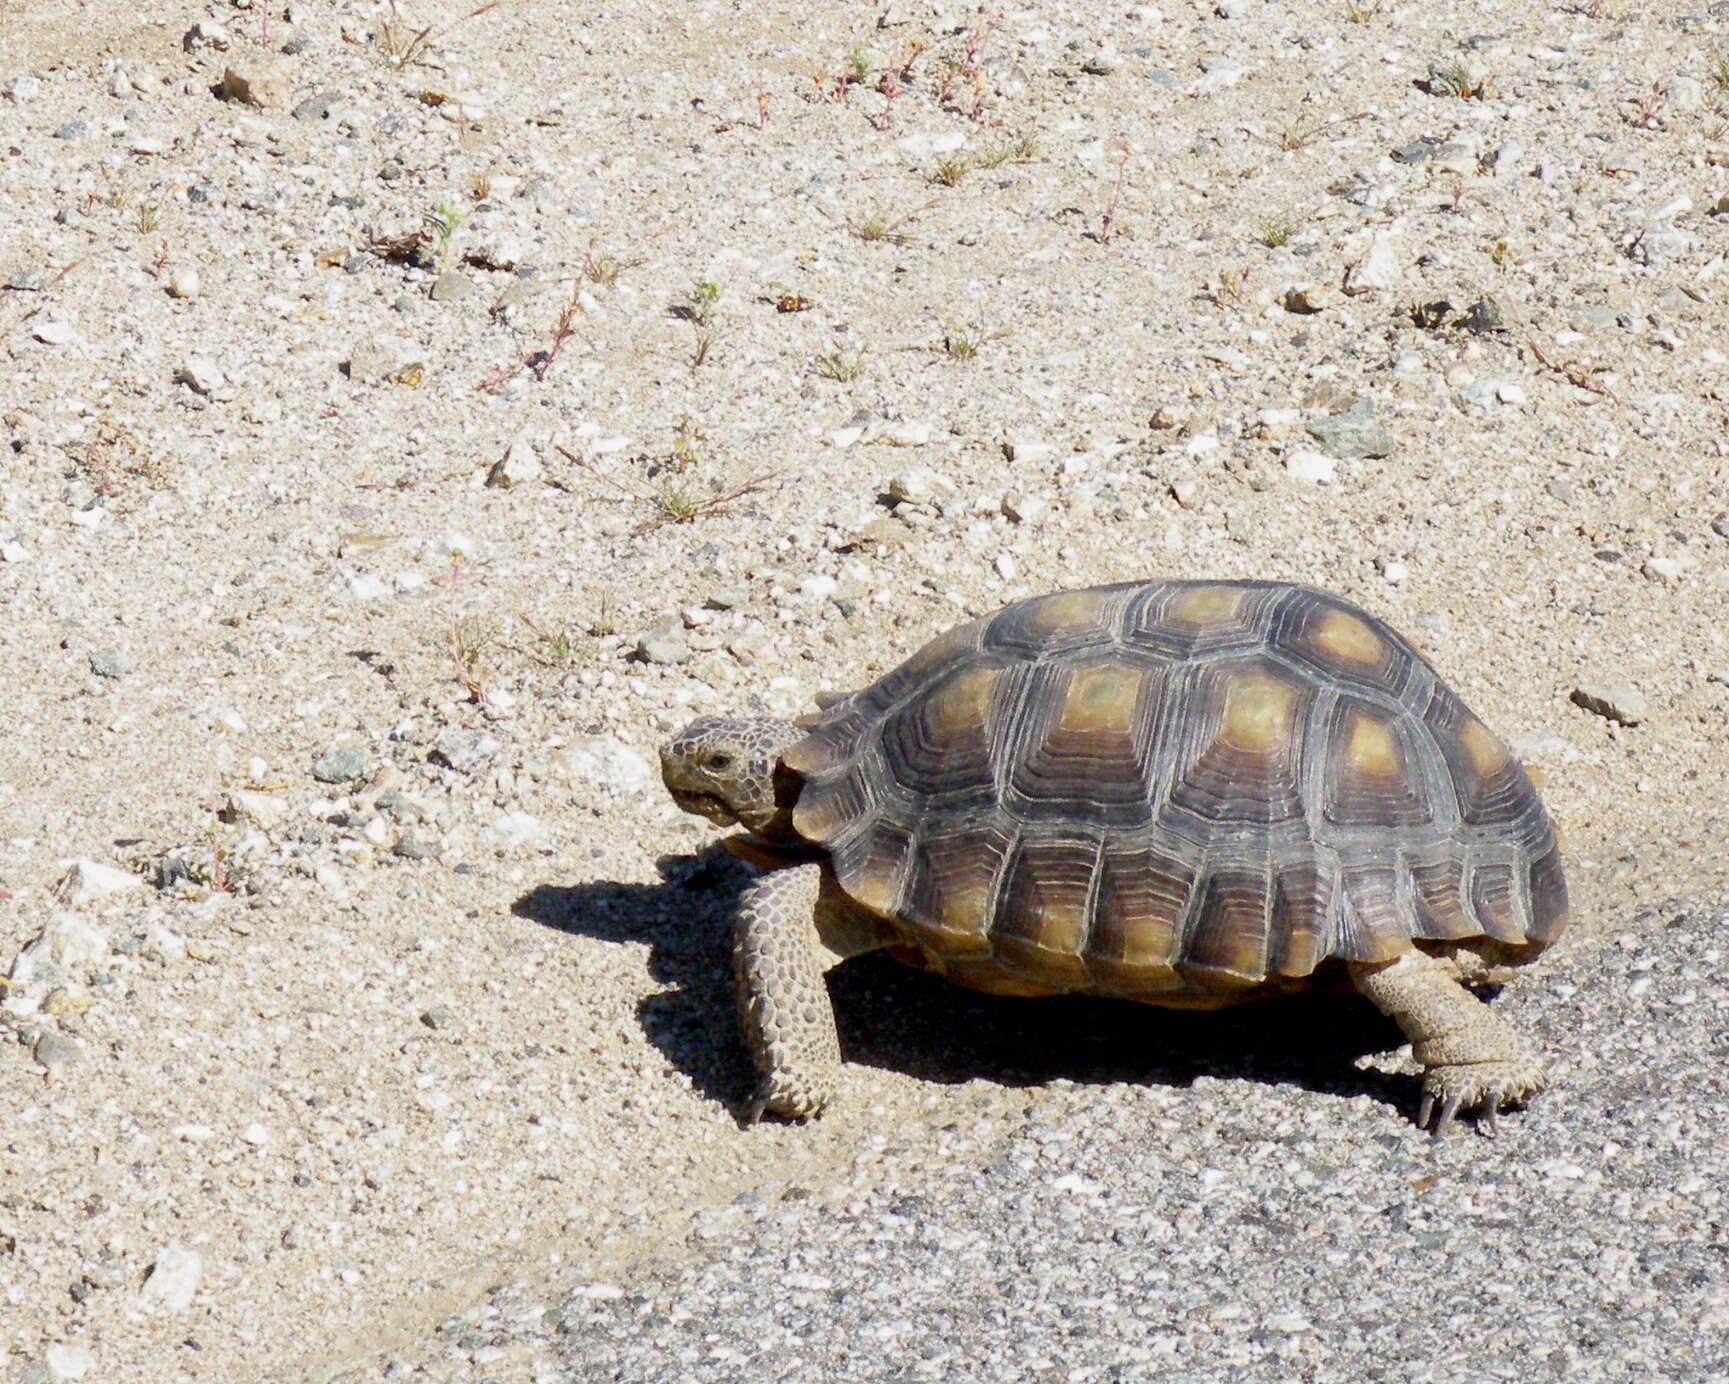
{"x": 1186, "y": 793}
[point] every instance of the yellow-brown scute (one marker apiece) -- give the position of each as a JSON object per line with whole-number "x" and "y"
{"x": 1180, "y": 792}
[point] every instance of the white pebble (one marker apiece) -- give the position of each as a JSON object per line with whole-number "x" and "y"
{"x": 184, "y": 282}
{"x": 1313, "y": 468}
{"x": 174, "y": 1278}
{"x": 256, "y": 1134}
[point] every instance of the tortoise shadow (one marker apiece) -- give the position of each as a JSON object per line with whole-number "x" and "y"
{"x": 899, "y": 1019}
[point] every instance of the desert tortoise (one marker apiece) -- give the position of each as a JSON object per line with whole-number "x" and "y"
{"x": 1180, "y": 792}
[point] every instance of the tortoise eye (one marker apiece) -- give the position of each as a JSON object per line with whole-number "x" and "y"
{"x": 718, "y": 761}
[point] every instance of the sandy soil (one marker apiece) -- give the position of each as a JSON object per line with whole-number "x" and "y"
{"x": 392, "y": 462}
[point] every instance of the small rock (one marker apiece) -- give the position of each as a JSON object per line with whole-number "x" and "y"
{"x": 90, "y": 881}
{"x": 265, "y": 811}
{"x": 451, "y": 286}
{"x": 110, "y": 663}
{"x": 1615, "y": 701}
{"x": 1657, "y": 244}
{"x": 258, "y": 81}
{"x": 513, "y": 829}
{"x": 174, "y": 1278}
{"x": 1027, "y": 450}
{"x": 68, "y": 1360}
{"x": 725, "y": 598}
{"x": 1485, "y": 317}
{"x": 54, "y": 333}
{"x": 54, "y": 1049}
{"x": 340, "y": 764}
{"x": 663, "y": 646}
{"x": 466, "y": 750}
{"x": 1720, "y": 525}
{"x": 918, "y": 486}
{"x": 413, "y": 846}
{"x": 1312, "y": 468}
{"x": 437, "y": 1017}
{"x": 319, "y": 106}
{"x": 1353, "y": 433}
{"x": 1287, "y": 1324}
{"x": 1310, "y": 298}
{"x": 184, "y": 282}
{"x": 205, "y": 376}
{"x": 206, "y": 33}
{"x": 71, "y": 130}
{"x": 1379, "y": 267}
{"x": 1023, "y": 509}
{"x": 603, "y": 760}
{"x": 519, "y": 465}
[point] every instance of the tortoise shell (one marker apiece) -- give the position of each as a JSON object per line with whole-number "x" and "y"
{"x": 1172, "y": 791}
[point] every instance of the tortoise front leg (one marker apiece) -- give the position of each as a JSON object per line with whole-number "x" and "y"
{"x": 782, "y": 1000}
{"x": 1472, "y": 1056}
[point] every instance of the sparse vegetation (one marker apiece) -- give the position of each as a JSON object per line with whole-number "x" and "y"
{"x": 840, "y": 364}
{"x": 442, "y": 224}
{"x": 146, "y": 217}
{"x": 403, "y": 44}
{"x": 471, "y": 639}
{"x": 963, "y": 343}
{"x": 1363, "y": 11}
{"x": 951, "y": 170}
{"x": 1275, "y": 230}
{"x": 1458, "y": 79}
{"x": 880, "y": 226}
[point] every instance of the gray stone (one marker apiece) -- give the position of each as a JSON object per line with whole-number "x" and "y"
{"x": 340, "y": 764}
{"x": 1657, "y": 244}
{"x": 110, "y": 663}
{"x": 1426, "y": 150}
{"x": 413, "y": 846}
{"x": 663, "y": 646}
{"x": 320, "y": 106}
{"x": 54, "y": 1049}
{"x": 1614, "y": 701}
{"x": 1485, "y": 316}
{"x": 466, "y": 750}
{"x": 437, "y": 1017}
{"x": 451, "y": 286}
{"x": 1354, "y": 433}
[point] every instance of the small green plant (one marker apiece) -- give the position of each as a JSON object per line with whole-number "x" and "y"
{"x": 1363, "y": 11}
{"x": 1275, "y": 230}
{"x": 878, "y": 226}
{"x": 554, "y": 648}
{"x": 963, "y": 343}
{"x": 676, "y": 502}
{"x": 1717, "y": 69}
{"x": 860, "y": 65}
{"x": 1023, "y": 148}
{"x": 1499, "y": 255}
{"x": 1457, "y": 79}
{"x": 841, "y": 365}
{"x": 685, "y": 437}
{"x": 146, "y": 217}
{"x": 471, "y": 638}
{"x": 699, "y": 305}
{"x": 442, "y": 223}
{"x": 949, "y": 171}
{"x": 1231, "y": 289}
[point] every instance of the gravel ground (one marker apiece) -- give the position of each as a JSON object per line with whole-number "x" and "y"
{"x": 402, "y": 430}
{"x": 1190, "y": 1227}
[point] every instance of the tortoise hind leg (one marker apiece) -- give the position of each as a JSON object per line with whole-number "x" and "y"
{"x": 1472, "y": 1057}
{"x": 783, "y": 1003}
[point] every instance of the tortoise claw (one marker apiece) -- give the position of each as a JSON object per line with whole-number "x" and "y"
{"x": 1484, "y": 1087}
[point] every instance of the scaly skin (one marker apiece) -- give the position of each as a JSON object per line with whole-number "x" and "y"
{"x": 1473, "y": 1058}
{"x": 782, "y": 1000}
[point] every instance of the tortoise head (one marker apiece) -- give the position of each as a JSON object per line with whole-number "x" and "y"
{"x": 730, "y": 772}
